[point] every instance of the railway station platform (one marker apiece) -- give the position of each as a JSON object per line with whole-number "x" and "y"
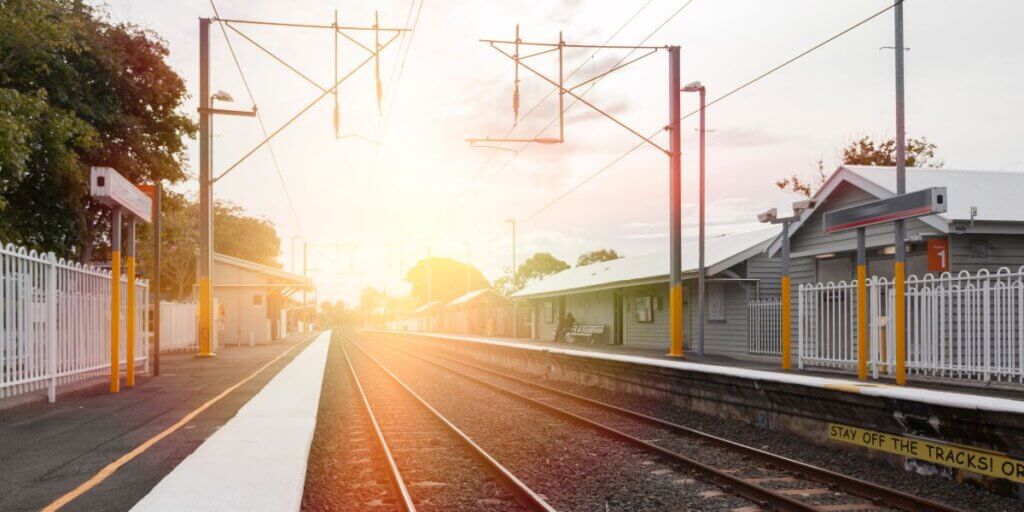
{"x": 929, "y": 427}
{"x": 100, "y": 451}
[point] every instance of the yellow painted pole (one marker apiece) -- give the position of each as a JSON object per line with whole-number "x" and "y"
{"x": 115, "y": 301}
{"x": 205, "y": 303}
{"x": 899, "y": 282}
{"x": 862, "y": 304}
{"x": 130, "y": 321}
{"x": 676, "y": 321}
{"x": 862, "y": 322}
{"x": 787, "y": 353}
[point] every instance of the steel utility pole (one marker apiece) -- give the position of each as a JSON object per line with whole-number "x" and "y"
{"x": 305, "y": 273}
{"x": 701, "y": 271}
{"x": 206, "y": 178}
{"x": 673, "y": 152}
{"x": 155, "y": 282}
{"x": 675, "y": 222}
{"x": 899, "y": 265}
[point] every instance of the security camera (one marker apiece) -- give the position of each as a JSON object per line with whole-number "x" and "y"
{"x": 768, "y": 216}
{"x": 800, "y": 206}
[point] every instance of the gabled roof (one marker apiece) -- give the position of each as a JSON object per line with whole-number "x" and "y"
{"x": 288, "y": 277}
{"x": 468, "y": 297}
{"x": 994, "y": 193}
{"x": 720, "y": 253}
{"x": 431, "y": 306}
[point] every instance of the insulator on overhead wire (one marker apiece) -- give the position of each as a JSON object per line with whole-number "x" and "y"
{"x": 380, "y": 95}
{"x": 337, "y": 120}
{"x": 515, "y": 104}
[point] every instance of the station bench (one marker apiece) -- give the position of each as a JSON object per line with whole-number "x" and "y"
{"x": 591, "y": 332}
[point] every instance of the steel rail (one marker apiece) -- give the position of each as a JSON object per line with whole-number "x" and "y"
{"x": 729, "y": 483}
{"x": 863, "y": 488}
{"x": 397, "y": 482}
{"x": 524, "y": 495}
{"x": 870, "y": 491}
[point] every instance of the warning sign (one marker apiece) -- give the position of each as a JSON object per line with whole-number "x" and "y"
{"x": 978, "y": 461}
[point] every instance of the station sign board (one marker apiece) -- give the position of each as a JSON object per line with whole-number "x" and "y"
{"x": 110, "y": 188}
{"x": 922, "y": 202}
{"x": 938, "y": 255}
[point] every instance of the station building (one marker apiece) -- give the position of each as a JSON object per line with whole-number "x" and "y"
{"x": 257, "y": 303}
{"x": 629, "y": 296}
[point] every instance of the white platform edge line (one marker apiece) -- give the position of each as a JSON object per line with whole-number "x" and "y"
{"x": 908, "y": 393}
{"x": 257, "y": 460}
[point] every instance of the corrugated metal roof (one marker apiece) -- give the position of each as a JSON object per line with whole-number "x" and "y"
{"x": 429, "y": 306}
{"x": 462, "y": 299}
{"x": 719, "y": 253}
{"x": 995, "y": 193}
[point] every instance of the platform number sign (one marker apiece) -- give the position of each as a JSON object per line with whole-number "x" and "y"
{"x": 938, "y": 255}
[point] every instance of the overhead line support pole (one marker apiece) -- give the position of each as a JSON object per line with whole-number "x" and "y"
{"x": 205, "y": 266}
{"x": 899, "y": 265}
{"x": 675, "y": 211}
{"x": 115, "y": 300}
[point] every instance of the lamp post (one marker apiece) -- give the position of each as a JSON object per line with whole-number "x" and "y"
{"x": 771, "y": 217}
{"x": 514, "y": 326}
{"x": 699, "y": 88}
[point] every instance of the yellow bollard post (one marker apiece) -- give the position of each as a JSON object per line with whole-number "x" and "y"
{"x": 899, "y": 283}
{"x": 115, "y": 300}
{"x": 786, "y": 332}
{"x": 130, "y": 313}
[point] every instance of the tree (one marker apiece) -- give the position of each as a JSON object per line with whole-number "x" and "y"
{"x": 865, "y": 151}
{"x": 77, "y": 90}
{"x": 335, "y": 315}
{"x": 446, "y": 278}
{"x": 369, "y": 300}
{"x": 597, "y": 256}
{"x": 535, "y": 267}
{"x": 238, "y": 235}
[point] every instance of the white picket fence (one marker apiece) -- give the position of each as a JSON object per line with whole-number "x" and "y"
{"x": 764, "y": 327}
{"x": 964, "y": 326}
{"x": 179, "y": 326}
{"x": 55, "y": 321}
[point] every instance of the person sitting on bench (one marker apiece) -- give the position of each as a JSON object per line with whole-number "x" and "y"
{"x": 564, "y": 326}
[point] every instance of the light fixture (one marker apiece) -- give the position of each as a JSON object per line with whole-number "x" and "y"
{"x": 222, "y": 96}
{"x": 693, "y": 87}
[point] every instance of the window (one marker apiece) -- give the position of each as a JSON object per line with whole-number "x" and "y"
{"x": 642, "y": 310}
{"x": 549, "y": 312}
{"x": 835, "y": 269}
{"x": 716, "y": 301}
{"x": 257, "y": 300}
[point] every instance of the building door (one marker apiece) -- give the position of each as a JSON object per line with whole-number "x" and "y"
{"x": 619, "y": 319}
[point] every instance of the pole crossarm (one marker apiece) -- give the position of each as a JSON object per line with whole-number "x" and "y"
{"x": 355, "y": 41}
{"x": 275, "y": 57}
{"x": 307, "y": 25}
{"x": 302, "y": 111}
{"x": 567, "y": 45}
{"x": 579, "y": 98}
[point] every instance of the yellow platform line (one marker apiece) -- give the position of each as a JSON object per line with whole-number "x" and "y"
{"x": 112, "y": 468}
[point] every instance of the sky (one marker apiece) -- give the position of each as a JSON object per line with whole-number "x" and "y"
{"x": 369, "y": 210}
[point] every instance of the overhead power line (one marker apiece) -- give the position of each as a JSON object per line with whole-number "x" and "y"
{"x": 731, "y": 92}
{"x": 263, "y": 126}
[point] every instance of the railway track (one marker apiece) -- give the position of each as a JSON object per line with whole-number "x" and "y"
{"x": 431, "y": 463}
{"x": 769, "y": 480}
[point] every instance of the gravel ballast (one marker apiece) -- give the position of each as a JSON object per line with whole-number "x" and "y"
{"x": 573, "y": 467}
{"x": 956, "y": 494}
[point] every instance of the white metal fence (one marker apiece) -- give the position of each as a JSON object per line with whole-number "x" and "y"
{"x": 964, "y": 326}
{"x": 179, "y": 324}
{"x": 764, "y": 327}
{"x": 55, "y": 321}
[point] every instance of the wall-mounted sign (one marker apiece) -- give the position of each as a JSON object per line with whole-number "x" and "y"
{"x": 977, "y": 461}
{"x": 938, "y": 255}
{"x": 114, "y": 190}
{"x": 913, "y": 204}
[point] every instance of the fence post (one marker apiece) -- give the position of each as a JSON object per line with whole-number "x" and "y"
{"x": 799, "y": 327}
{"x": 986, "y": 319}
{"x": 51, "y": 325}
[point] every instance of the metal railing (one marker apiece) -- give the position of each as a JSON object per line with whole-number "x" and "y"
{"x": 55, "y": 322}
{"x": 764, "y": 327}
{"x": 179, "y": 326}
{"x": 963, "y": 326}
